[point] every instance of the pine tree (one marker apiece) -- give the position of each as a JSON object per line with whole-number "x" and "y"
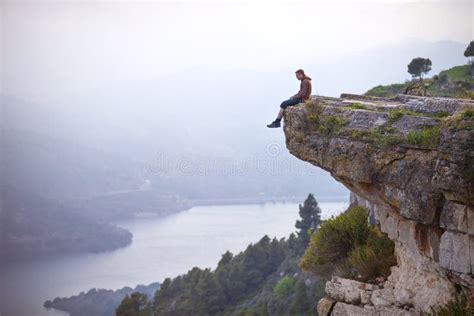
{"x": 301, "y": 304}
{"x": 469, "y": 53}
{"x": 134, "y": 305}
{"x": 310, "y": 214}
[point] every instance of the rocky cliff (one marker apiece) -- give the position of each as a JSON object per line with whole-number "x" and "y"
{"x": 410, "y": 161}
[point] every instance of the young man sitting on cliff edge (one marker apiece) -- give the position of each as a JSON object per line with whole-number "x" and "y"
{"x": 302, "y": 95}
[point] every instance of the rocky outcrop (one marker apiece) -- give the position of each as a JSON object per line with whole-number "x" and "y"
{"x": 410, "y": 161}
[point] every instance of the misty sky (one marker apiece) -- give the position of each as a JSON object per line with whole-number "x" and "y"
{"x": 59, "y": 49}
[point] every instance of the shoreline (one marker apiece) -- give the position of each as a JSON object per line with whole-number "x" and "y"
{"x": 153, "y": 215}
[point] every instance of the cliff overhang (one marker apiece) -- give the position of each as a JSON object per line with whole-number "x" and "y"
{"x": 410, "y": 161}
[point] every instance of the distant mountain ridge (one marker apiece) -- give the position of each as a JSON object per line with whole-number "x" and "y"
{"x": 33, "y": 226}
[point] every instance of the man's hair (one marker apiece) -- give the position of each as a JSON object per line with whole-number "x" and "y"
{"x": 301, "y": 71}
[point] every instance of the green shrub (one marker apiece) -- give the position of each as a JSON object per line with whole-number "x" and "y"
{"x": 427, "y": 137}
{"x": 462, "y": 120}
{"x": 377, "y": 135}
{"x": 395, "y": 114}
{"x": 467, "y": 115}
{"x": 313, "y": 112}
{"x": 332, "y": 241}
{"x": 324, "y": 124}
{"x": 331, "y": 124}
{"x": 357, "y": 105}
{"x": 368, "y": 261}
{"x": 348, "y": 246}
{"x": 284, "y": 286}
{"x": 439, "y": 114}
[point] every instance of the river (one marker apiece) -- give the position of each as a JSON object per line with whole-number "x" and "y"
{"x": 161, "y": 247}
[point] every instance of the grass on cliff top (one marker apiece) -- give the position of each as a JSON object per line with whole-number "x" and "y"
{"x": 357, "y": 106}
{"x": 464, "y": 120}
{"x": 385, "y": 135}
{"x": 427, "y": 137}
{"x": 346, "y": 245}
{"x": 387, "y": 91}
{"x": 381, "y": 135}
{"x": 324, "y": 124}
{"x": 395, "y": 114}
{"x": 459, "y": 73}
{"x": 455, "y": 82}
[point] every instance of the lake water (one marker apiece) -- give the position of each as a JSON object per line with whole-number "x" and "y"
{"x": 161, "y": 247}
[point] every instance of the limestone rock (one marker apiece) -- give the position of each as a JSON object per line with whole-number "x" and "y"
{"x": 410, "y": 161}
{"x": 325, "y": 306}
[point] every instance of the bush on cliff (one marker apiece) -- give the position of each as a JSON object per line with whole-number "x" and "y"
{"x": 348, "y": 246}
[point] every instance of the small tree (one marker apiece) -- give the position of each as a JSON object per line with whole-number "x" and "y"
{"x": 310, "y": 214}
{"x": 469, "y": 53}
{"x": 134, "y": 305}
{"x": 419, "y": 66}
{"x": 284, "y": 287}
{"x": 301, "y": 304}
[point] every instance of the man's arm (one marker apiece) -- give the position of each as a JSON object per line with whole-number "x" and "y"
{"x": 303, "y": 90}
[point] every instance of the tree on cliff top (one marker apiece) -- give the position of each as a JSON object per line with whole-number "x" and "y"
{"x": 419, "y": 66}
{"x": 469, "y": 53}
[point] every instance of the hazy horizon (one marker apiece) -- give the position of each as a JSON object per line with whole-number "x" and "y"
{"x": 199, "y": 81}
{"x": 56, "y": 50}
{"x": 118, "y": 110}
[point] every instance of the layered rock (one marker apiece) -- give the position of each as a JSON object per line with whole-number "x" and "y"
{"x": 410, "y": 161}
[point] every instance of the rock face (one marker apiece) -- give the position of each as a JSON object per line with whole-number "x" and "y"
{"x": 410, "y": 161}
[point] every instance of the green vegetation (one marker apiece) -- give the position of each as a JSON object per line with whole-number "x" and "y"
{"x": 324, "y": 124}
{"x": 379, "y": 136}
{"x": 427, "y": 137}
{"x": 469, "y": 53}
{"x": 348, "y": 246}
{"x": 331, "y": 124}
{"x": 314, "y": 111}
{"x": 440, "y": 114}
{"x": 357, "y": 105}
{"x": 284, "y": 287}
{"x": 265, "y": 279}
{"x": 373, "y": 259}
{"x": 134, "y": 305}
{"x": 456, "y": 82}
{"x": 467, "y": 115}
{"x": 458, "y": 73}
{"x": 275, "y": 277}
{"x": 301, "y": 304}
{"x": 419, "y": 66}
{"x": 462, "y": 120}
{"x": 383, "y": 135}
{"x": 310, "y": 214}
{"x": 387, "y": 91}
{"x": 395, "y": 114}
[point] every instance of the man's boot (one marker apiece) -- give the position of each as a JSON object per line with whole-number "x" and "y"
{"x": 275, "y": 123}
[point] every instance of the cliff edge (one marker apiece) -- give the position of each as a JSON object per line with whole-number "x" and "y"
{"x": 410, "y": 161}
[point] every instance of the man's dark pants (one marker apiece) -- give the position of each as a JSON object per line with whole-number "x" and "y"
{"x": 290, "y": 102}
